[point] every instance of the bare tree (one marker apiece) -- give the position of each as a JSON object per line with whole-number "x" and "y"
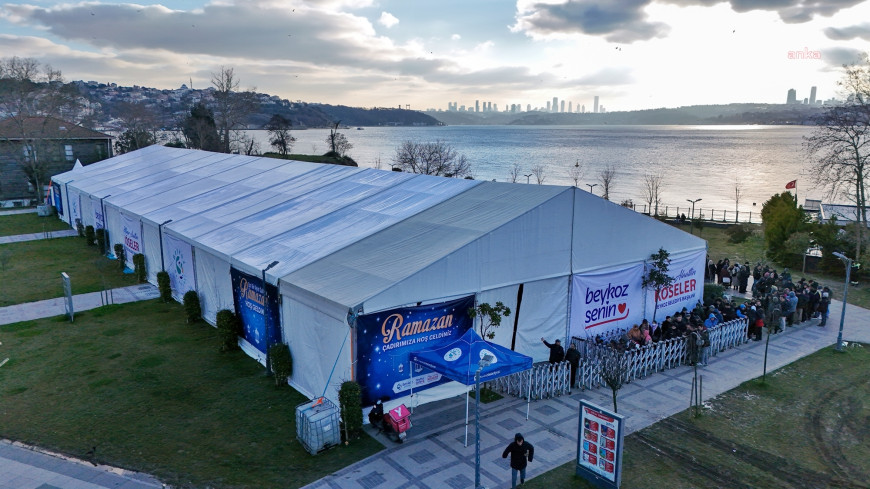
{"x": 738, "y": 193}
{"x": 606, "y": 177}
{"x": 33, "y": 96}
{"x": 338, "y": 143}
{"x": 141, "y": 127}
{"x": 231, "y": 110}
{"x": 539, "y": 171}
{"x": 613, "y": 369}
{"x": 576, "y": 173}
{"x": 652, "y": 189}
{"x": 279, "y": 134}
{"x": 438, "y": 158}
{"x": 840, "y": 145}
{"x": 515, "y": 173}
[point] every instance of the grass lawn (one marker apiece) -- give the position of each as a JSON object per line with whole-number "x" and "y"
{"x": 153, "y": 394}
{"x": 808, "y": 426}
{"x": 29, "y": 223}
{"x": 30, "y": 271}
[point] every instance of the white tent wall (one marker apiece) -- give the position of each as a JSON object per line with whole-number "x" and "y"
{"x": 113, "y": 227}
{"x": 319, "y": 338}
{"x": 214, "y": 285}
{"x": 152, "y": 250}
{"x": 542, "y": 313}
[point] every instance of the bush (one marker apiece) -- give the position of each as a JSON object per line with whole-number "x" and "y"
{"x": 139, "y": 267}
{"x": 80, "y": 228}
{"x": 712, "y": 292}
{"x": 89, "y": 235}
{"x": 121, "y": 255}
{"x": 229, "y": 328}
{"x": 101, "y": 239}
{"x": 282, "y": 363}
{"x": 191, "y": 305}
{"x": 164, "y": 286}
{"x": 738, "y": 233}
{"x": 349, "y": 397}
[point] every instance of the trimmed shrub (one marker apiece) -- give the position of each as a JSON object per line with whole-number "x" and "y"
{"x": 89, "y": 235}
{"x": 282, "y": 363}
{"x": 164, "y": 286}
{"x": 191, "y": 304}
{"x": 139, "y": 267}
{"x": 229, "y": 328}
{"x": 349, "y": 398}
{"x": 101, "y": 236}
{"x": 80, "y": 228}
{"x": 121, "y": 255}
{"x": 738, "y": 233}
{"x": 713, "y": 292}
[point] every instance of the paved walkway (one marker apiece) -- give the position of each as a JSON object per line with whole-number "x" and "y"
{"x": 28, "y": 210}
{"x": 82, "y": 302}
{"x": 434, "y": 455}
{"x": 65, "y": 233}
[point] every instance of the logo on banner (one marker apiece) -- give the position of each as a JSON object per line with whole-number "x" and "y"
{"x": 606, "y": 304}
{"x": 178, "y": 260}
{"x": 681, "y": 290}
{"x": 453, "y": 354}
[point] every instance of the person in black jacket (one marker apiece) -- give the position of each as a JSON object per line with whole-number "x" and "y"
{"x": 521, "y": 453}
{"x": 573, "y": 357}
{"x": 557, "y": 353}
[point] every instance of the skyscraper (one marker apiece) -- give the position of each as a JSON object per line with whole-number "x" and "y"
{"x": 570, "y": 106}
{"x": 813, "y": 96}
{"x": 596, "y": 104}
{"x": 548, "y": 106}
{"x": 555, "y": 104}
{"x": 792, "y": 96}
{"x": 477, "y": 105}
{"x": 562, "y": 107}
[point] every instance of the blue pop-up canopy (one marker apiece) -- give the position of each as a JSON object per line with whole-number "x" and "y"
{"x": 459, "y": 361}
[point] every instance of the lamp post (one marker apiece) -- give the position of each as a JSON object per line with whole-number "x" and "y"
{"x": 266, "y": 315}
{"x": 527, "y": 177}
{"x": 591, "y": 186}
{"x": 484, "y": 362}
{"x": 693, "y": 206}
{"x": 848, "y": 262}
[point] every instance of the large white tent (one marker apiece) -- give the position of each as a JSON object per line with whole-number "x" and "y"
{"x": 351, "y": 242}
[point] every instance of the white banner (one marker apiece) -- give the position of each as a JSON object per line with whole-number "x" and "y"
{"x": 607, "y": 301}
{"x": 687, "y": 289}
{"x": 75, "y": 207}
{"x": 99, "y": 220}
{"x": 178, "y": 261}
{"x": 132, "y": 238}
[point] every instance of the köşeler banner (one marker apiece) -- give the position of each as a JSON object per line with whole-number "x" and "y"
{"x": 178, "y": 262}
{"x": 385, "y": 341}
{"x": 251, "y": 303}
{"x": 132, "y": 238}
{"x": 686, "y": 290}
{"x": 606, "y": 301}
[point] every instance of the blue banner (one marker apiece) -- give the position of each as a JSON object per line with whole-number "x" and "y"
{"x": 251, "y": 309}
{"x": 386, "y": 339}
{"x": 58, "y": 201}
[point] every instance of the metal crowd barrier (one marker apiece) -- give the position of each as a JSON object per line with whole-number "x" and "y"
{"x": 548, "y": 381}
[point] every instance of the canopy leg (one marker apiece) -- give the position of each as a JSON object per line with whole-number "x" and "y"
{"x": 529, "y": 400}
{"x": 466, "y": 418}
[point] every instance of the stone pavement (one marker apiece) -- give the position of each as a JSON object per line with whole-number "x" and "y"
{"x": 9, "y": 212}
{"x": 81, "y": 302}
{"x": 434, "y": 455}
{"x": 66, "y": 233}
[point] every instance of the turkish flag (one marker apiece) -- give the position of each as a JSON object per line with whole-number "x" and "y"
{"x": 791, "y": 184}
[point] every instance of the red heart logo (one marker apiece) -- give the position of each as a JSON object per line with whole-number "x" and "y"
{"x": 621, "y": 308}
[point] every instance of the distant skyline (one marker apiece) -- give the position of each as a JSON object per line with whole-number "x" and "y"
{"x": 633, "y": 54}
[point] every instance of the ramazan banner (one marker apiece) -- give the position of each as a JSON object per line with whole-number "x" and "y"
{"x": 386, "y": 339}
{"x": 608, "y": 301}
{"x": 256, "y": 309}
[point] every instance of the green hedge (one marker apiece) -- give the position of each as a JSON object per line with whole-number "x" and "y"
{"x": 121, "y": 255}
{"x": 229, "y": 328}
{"x": 164, "y": 286}
{"x": 102, "y": 237}
{"x": 139, "y": 267}
{"x": 89, "y": 235}
{"x": 282, "y": 363}
{"x": 349, "y": 397}
{"x": 192, "y": 308}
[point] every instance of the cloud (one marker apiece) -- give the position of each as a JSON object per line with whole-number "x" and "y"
{"x": 848, "y": 33}
{"x": 790, "y": 11}
{"x": 388, "y": 20}
{"x": 455, "y": 37}
{"x": 616, "y": 20}
{"x": 837, "y": 57}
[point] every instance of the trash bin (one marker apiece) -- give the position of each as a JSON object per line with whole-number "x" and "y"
{"x": 317, "y": 425}
{"x": 44, "y": 210}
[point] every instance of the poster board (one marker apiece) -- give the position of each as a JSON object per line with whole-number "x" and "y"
{"x": 599, "y": 446}
{"x": 257, "y": 308}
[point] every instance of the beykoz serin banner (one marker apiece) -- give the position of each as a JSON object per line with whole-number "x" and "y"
{"x": 606, "y": 301}
{"x": 251, "y": 303}
{"x": 386, "y": 339}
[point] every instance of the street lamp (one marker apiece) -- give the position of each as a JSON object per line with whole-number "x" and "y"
{"x": 527, "y": 177}
{"x": 693, "y": 206}
{"x": 848, "y": 262}
{"x": 266, "y": 315}
{"x": 591, "y": 186}
{"x": 484, "y": 362}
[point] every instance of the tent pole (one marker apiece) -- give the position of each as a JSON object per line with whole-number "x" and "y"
{"x": 529, "y": 400}
{"x": 411, "y": 369}
{"x": 466, "y": 418}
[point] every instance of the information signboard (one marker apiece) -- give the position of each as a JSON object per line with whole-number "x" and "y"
{"x": 599, "y": 446}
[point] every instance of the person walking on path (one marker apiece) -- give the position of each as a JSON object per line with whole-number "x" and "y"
{"x": 557, "y": 353}
{"x": 521, "y": 453}
{"x": 573, "y": 358}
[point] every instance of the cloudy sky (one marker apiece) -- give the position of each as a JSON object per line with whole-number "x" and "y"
{"x": 634, "y": 54}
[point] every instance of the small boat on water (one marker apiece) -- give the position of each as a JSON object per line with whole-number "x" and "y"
{"x": 360, "y": 128}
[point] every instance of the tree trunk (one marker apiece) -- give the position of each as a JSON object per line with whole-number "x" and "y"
{"x": 614, "y": 401}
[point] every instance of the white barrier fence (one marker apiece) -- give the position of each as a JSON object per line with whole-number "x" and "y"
{"x": 554, "y": 380}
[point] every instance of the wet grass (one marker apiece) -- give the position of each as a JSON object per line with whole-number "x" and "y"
{"x": 807, "y": 426}
{"x": 154, "y": 394}
{"x": 29, "y": 223}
